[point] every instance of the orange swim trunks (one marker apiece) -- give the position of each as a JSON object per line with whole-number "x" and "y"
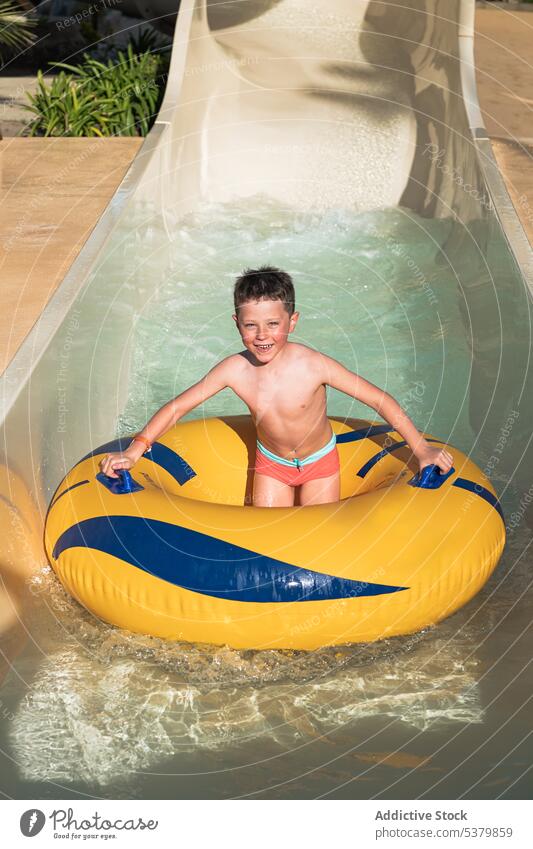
{"x": 296, "y": 475}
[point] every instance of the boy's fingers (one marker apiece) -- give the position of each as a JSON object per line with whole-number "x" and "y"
{"x": 107, "y": 466}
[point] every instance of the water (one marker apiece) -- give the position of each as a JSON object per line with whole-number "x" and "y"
{"x": 346, "y": 270}
{"x": 413, "y": 305}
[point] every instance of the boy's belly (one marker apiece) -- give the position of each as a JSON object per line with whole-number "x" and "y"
{"x": 290, "y": 438}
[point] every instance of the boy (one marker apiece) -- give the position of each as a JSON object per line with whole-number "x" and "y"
{"x": 283, "y": 385}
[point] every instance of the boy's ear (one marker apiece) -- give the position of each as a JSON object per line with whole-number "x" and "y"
{"x": 293, "y": 320}
{"x": 235, "y": 319}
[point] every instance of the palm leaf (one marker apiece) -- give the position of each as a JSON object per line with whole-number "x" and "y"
{"x": 15, "y": 27}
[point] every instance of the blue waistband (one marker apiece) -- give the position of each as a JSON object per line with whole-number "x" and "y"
{"x": 295, "y": 464}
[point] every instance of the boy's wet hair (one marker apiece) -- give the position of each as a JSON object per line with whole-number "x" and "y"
{"x": 265, "y": 283}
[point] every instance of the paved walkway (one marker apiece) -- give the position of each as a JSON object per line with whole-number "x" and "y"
{"x": 13, "y": 116}
{"x": 53, "y": 193}
{"x": 504, "y": 63}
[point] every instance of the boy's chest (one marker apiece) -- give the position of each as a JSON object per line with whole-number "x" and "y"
{"x": 281, "y": 395}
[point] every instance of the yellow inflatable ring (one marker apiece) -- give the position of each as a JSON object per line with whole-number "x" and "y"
{"x": 184, "y": 557}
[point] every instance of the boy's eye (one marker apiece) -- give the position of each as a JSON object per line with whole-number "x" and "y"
{"x": 273, "y": 323}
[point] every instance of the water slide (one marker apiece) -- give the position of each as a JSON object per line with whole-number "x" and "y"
{"x": 359, "y": 105}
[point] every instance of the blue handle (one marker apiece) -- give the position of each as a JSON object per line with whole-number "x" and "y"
{"x": 430, "y": 478}
{"x": 123, "y": 485}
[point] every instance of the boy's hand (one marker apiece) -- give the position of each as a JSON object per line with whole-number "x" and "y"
{"x": 429, "y": 455}
{"x": 111, "y": 462}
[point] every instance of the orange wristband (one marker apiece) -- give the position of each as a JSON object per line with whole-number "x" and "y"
{"x": 139, "y": 438}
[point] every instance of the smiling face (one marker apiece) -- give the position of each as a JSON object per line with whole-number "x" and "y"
{"x": 264, "y": 327}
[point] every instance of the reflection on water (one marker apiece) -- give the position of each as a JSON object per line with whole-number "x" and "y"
{"x": 404, "y": 301}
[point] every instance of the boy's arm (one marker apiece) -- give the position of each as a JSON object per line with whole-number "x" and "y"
{"x": 339, "y": 377}
{"x": 213, "y": 382}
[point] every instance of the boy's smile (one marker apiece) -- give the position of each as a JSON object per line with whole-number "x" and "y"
{"x": 264, "y": 326}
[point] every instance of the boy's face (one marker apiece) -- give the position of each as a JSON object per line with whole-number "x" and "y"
{"x": 264, "y": 326}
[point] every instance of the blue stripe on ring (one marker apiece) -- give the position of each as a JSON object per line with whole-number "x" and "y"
{"x": 476, "y": 488}
{"x": 116, "y": 445}
{"x": 61, "y": 494}
{"x": 207, "y": 565}
{"x": 363, "y": 433}
{"x": 171, "y": 462}
{"x": 383, "y": 453}
{"x": 461, "y": 483}
{"x": 159, "y": 454}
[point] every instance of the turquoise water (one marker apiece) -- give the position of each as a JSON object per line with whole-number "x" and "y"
{"x": 435, "y": 314}
{"x": 368, "y": 293}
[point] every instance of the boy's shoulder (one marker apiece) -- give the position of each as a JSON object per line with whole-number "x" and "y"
{"x": 234, "y": 360}
{"x": 303, "y": 352}
{"x": 232, "y": 363}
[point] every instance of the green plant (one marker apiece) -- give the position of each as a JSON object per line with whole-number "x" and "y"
{"x": 145, "y": 41}
{"x": 95, "y": 98}
{"x": 15, "y": 28}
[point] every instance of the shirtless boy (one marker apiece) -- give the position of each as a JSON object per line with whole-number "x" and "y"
{"x": 283, "y": 385}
